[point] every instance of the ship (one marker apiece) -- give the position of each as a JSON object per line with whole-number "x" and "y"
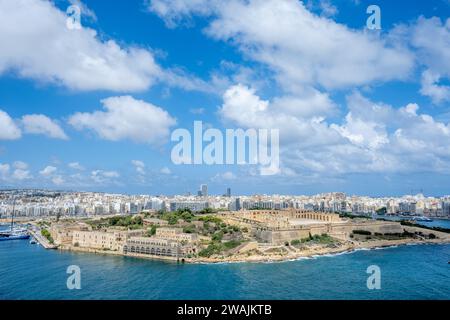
{"x": 423, "y": 219}
{"x": 14, "y": 233}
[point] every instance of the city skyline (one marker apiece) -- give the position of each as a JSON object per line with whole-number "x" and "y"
{"x": 92, "y": 106}
{"x": 110, "y": 203}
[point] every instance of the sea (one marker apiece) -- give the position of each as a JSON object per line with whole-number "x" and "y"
{"x": 28, "y": 271}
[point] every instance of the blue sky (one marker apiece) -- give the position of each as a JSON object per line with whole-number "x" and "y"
{"x": 359, "y": 111}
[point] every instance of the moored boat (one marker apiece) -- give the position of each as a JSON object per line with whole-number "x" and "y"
{"x": 14, "y": 233}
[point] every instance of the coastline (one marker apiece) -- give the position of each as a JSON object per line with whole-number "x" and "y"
{"x": 376, "y": 245}
{"x": 310, "y": 253}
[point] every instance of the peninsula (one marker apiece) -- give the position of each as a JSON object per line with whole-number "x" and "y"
{"x": 229, "y": 236}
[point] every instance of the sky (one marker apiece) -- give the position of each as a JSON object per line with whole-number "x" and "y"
{"x": 92, "y": 105}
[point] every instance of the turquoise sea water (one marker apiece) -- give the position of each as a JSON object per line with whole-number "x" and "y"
{"x": 407, "y": 272}
{"x": 434, "y": 223}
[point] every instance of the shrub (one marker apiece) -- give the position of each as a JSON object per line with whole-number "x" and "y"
{"x": 217, "y": 236}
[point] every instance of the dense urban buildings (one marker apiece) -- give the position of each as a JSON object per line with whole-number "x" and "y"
{"x": 42, "y": 203}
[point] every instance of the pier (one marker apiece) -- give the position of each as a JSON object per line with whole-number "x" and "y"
{"x": 41, "y": 239}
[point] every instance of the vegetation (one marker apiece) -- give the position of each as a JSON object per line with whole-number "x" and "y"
{"x": 218, "y": 236}
{"x": 218, "y": 247}
{"x": 47, "y": 234}
{"x": 212, "y": 219}
{"x": 320, "y": 239}
{"x": 131, "y": 222}
{"x": 351, "y": 216}
{"x": 180, "y": 214}
{"x": 207, "y": 210}
{"x": 152, "y": 231}
{"x": 410, "y": 224}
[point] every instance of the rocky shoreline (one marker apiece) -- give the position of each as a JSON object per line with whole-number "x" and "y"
{"x": 314, "y": 252}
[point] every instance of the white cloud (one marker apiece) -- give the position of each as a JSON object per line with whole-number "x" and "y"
{"x": 174, "y": 11}
{"x": 85, "y": 10}
{"x": 58, "y": 180}
{"x": 197, "y": 111}
{"x": 363, "y": 133}
{"x": 48, "y": 171}
{"x": 110, "y": 174}
{"x": 4, "y": 170}
{"x": 431, "y": 88}
{"x": 304, "y": 125}
{"x": 139, "y": 166}
{"x": 37, "y": 44}
{"x": 430, "y": 39}
{"x": 9, "y": 130}
{"x": 40, "y": 124}
{"x": 166, "y": 170}
{"x": 373, "y": 137}
{"x": 326, "y": 8}
{"x": 20, "y": 174}
{"x": 126, "y": 118}
{"x": 101, "y": 176}
{"x": 20, "y": 165}
{"x": 76, "y": 166}
{"x": 228, "y": 175}
{"x": 225, "y": 176}
{"x": 303, "y": 49}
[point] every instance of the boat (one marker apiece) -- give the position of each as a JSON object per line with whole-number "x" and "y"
{"x": 32, "y": 241}
{"x": 15, "y": 233}
{"x": 423, "y": 219}
{"x": 13, "y": 236}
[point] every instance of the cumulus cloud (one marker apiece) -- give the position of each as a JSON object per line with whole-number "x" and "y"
{"x": 166, "y": 170}
{"x": 38, "y": 45}
{"x": 84, "y": 10}
{"x": 326, "y": 8}
{"x": 301, "y": 48}
{"x": 9, "y": 130}
{"x": 126, "y": 118}
{"x": 139, "y": 166}
{"x": 431, "y": 88}
{"x": 20, "y": 165}
{"x": 430, "y": 40}
{"x": 4, "y": 170}
{"x": 76, "y": 166}
{"x": 58, "y": 180}
{"x": 175, "y": 11}
{"x": 48, "y": 171}
{"x": 197, "y": 111}
{"x": 101, "y": 176}
{"x": 373, "y": 137}
{"x": 431, "y": 37}
{"x": 296, "y": 120}
{"x": 20, "y": 174}
{"x": 41, "y": 124}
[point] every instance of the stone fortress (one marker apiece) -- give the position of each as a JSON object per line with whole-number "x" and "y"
{"x": 277, "y": 227}
{"x": 265, "y": 228}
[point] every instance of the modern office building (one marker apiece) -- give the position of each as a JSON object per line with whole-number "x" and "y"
{"x": 204, "y": 190}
